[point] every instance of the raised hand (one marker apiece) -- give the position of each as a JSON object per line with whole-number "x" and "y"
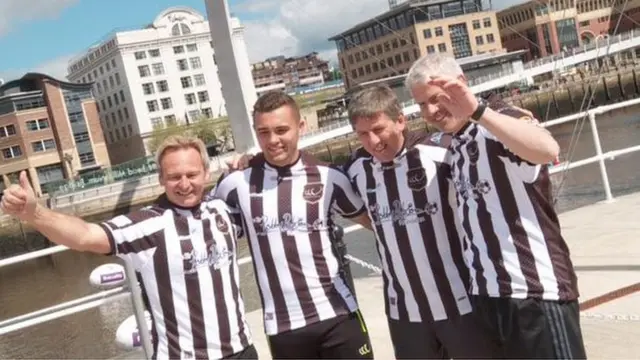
{"x": 456, "y": 97}
{"x": 19, "y": 199}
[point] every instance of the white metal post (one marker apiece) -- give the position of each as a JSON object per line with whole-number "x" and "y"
{"x": 138, "y": 310}
{"x": 601, "y": 159}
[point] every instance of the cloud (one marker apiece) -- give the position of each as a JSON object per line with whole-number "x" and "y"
{"x": 296, "y": 27}
{"x": 14, "y": 12}
{"x": 56, "y": 67}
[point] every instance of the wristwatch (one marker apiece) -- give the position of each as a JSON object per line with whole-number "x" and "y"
{"x": 477, "y": 114}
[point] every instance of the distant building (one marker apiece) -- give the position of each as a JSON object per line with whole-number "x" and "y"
{"x": 50, "y": 128}
{"x": 547, "y": 28}
{"x": 161, "y": 74}
{"x": 388, "y": 44}
{"x": 286, "y": 74}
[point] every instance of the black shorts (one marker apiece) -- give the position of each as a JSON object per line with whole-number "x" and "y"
{"x": 459, "y": 338}
{"x": 531, "y": 328}
{"x": 249, "y": 352}
{"x": 343, "y": 337}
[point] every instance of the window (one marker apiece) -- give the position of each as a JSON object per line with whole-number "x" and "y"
{"x": 203, "y": 96}
{"x": 426, "y": 33}
{"x": 199, "y": 78}
{"x": 11, "y": 152}
{"x": 76, "y": 117}
{"x": 106, "y": 66}
{"x": 109, "y": 101}
{"x": 144, "y": 70}
{"x": 190, "y": 99}
{"x": 162, "y": 85}
{"x": 156, "y": 121}
{"x": 158, "y": 69}
{"x": 439, "y": 31}
{"x": 117, "y": 76}
{"x": 182, "y": 65}
{"x": 192, "y": 47}
{"x": 147, "y": 89}
{"x": 122, "y": 95}
{"x": 490, "y": 39}
{"x": 195, "y": 63}
{"x": 8, "y": 130}
{"x": 178, "y": 49}
{"x": 81, "y": 137}
{"x": 476, "y": 24}
{"x": 120, "y": 116}
{"x": 442, "y": 47}
{"x": 186, "y": 82}
{"x": 487, "y": 22}
{"x": 430, "y": 49}
{"x": 35, "y": 125}
{"x": 115, "y": 98}
{"x": 170, "y": 119}
{"x": 87, "y": 158}
{"x": 43, "y": 145}
{"x": 479, "y": 40}
{"x": 194, "y": 114}
{"x": 152, "y": 105}
{"x": 166, "y": 103}
{"x": 154, "y": 53}
{"x": 140, "y": 55}
{"x": 130, "y": 129}
{"x": 126, "y": 113}
{"x": 111, "y": 82}
{"x": 113, "y": 63}
{"x": 207, "y": 113}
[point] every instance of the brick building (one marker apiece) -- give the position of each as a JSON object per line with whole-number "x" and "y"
{"x": 547, "y": 27}
{"x": 282, "y": 73}
{"x": 50, "y": 128}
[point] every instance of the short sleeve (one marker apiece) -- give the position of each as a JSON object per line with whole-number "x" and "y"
{"x": 526, "y": 170}
{"x": 131, "y": 236}
{"x": 226, "y": 191}
{"x": 345, "y": 199}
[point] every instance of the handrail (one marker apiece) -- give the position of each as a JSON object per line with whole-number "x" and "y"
{"x": 132, "y": 290}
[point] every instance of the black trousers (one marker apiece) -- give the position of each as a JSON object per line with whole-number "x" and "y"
{"x": 343, "y": 337}
{"x": 458, "y": 338}
{"x": 531, "y": 328}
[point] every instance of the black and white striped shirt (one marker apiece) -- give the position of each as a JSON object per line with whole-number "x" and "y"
{"x": 409, "y": 204}
{"x": 515, "y": 247}
{"x": 288, "y": 214}
{"x": 187, "y": 261}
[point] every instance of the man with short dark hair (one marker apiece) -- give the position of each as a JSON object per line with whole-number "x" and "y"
{"x": 287, "y": 200}
{"x": 403, "y": 180}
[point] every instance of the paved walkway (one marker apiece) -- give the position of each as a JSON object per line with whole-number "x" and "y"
{"x": 605, "y": 246}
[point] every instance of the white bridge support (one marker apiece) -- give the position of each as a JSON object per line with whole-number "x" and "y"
{"x": 234, "y": 71}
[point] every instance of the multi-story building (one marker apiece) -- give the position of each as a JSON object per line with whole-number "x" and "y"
{"x": 50, "y": 128}
{"x": 288, "y": 73}
{"x": 548, "y": 27}
{"x": 144, "y": 78}
{"x": 388, "y": 44}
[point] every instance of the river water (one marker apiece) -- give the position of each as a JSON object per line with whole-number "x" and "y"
{"x": 45, "y": 282}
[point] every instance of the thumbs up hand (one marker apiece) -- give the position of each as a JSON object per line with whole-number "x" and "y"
{"x": 19, "y": 199}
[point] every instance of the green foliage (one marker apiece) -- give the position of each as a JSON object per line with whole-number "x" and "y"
{"x": 210, "y": 131}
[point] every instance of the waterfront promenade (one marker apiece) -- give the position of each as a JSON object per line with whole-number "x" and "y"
{"x": 605, "y": 245}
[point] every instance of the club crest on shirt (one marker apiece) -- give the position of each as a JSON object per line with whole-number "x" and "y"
{"x": 312, "y": 192}
{"x": 416, "y": 179}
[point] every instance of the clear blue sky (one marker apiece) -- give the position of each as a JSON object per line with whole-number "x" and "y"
{"x": 55, "y": 29}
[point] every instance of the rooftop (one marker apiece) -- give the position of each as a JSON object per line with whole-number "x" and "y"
{"x": 407, "y": 5}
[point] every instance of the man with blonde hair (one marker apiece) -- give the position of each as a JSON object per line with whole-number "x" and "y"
{"x": 523, "y": 286}
{"x": 183, "y": 248}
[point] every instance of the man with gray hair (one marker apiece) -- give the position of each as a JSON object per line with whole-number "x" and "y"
{"x": 403, "y": 179}
{"x": 523, "y": 286}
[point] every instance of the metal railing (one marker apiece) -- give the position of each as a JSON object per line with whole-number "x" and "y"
{"x": 132, "y": 289}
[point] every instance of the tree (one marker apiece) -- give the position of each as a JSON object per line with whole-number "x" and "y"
{"x": 213, "y": 132}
